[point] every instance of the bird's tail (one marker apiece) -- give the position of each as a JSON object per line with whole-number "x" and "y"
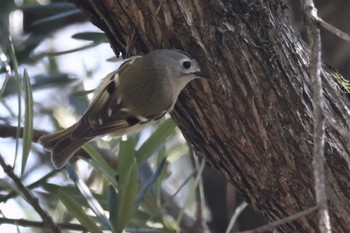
{"x": 48, "y": 141}
{"x": 62, "y": 146}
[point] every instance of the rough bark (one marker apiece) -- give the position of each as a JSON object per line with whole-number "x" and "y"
{"x": 253, "y": 119}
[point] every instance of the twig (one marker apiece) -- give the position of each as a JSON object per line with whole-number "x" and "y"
{"x": 319, "y": 129}
{"x": 200, "y": 223}
{"x": 239, "y": 209}
{"x": 11, "y": 131}
{"x": 333, "y": 29}
{"x": 273, "y": 225}
{"x": 27, "y": 223}
{"x": 31, "y": 186}
{"x": 28, "y": 196}
{"x": 326, "y": 25}
{"x": 195, "y": 185}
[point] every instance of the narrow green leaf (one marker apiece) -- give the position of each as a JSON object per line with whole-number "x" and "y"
{"x": 53, "y": 188}
{"x": 28, "y": 120}
{"x": 83, "y": 47}
{"x": 101, "y": 165}
{"x": 89, "y": 198}
{"x": 191, "y": 192}
{"x": 83, "y": 93}
{"x": 48, "y": 9}
{"x": 76, "y": 195}
{"x": 91, "y": 36}
{"x": 3, "y": 88}
{"x": 14, "y": 59}
{"x": 56, "y": 17}
{"x": 140, "y": 218}
{"x": 127, "y": 197}
{"x": 52, "y": 79}
{"x": 74, "y": 208}
{"x": 126, "y": 156}
{"x": 112, "y": 206}
{"x": 235, "y": 216}
{"x": 19, "y": 96}
{"x": 128, "y": 183}
{"x": 156, "y": 140}
{"x": 162, "y": 155}
{"x": 155, "y": 208}
{"x": 151, "y": 180}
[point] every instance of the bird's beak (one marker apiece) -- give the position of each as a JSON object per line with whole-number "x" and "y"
{"x": 201, "y": 74}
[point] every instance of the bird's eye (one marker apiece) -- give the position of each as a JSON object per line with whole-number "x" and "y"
{"x": 186, "y": 65}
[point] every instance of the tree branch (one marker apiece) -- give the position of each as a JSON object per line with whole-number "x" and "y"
{"x": 317, "y": 100}
{"x": 11, "y": 131}
{"x": 28, "y": 196}
{"x": 29, "y": 187}
{"x": 271, "y": 226}
{"x": 27, "y": 223}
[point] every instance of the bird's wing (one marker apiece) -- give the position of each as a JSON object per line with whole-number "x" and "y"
{"x": 108, "y": 113}
{"x": 106, "y": 92}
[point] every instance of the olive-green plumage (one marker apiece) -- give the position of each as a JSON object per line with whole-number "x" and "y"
{"x": 143, "y": 89}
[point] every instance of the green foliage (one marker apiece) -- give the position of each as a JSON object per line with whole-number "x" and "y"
{"x": 28, "y": 120}
{"x": 156, "y": 141}
{"x": 128, "y": 175}
{"x": 101, "y": 165}
{"x": 75, "y": 209}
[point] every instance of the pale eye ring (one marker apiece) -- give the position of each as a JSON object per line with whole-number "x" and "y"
{"x": 186, "y": 65}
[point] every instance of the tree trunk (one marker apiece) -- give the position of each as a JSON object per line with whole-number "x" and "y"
{"x": 252, "y": 119}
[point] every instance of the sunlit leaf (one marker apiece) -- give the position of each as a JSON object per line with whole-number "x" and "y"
{"x": 89, "y": 198}
{"x": 76, "y": 195}
{"x": 28, "y": 120}
{"x": 84, "y": 93}
{"x": 75, "y": 210}
{"x": 235, "y": 216}
{"x": 101, "y": 165}
{"x": 128, "y": 175}
{"x": 156, "y": 140}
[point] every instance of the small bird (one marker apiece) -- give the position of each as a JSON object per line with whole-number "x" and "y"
{"x": 143, "y": 89}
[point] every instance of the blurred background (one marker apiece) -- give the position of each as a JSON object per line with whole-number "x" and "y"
{"x": 51, "y": 59}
